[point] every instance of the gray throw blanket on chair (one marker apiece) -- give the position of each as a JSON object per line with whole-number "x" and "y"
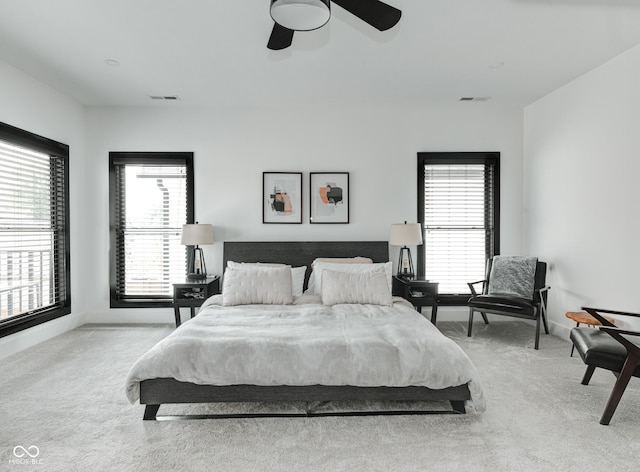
{"x": 513, "y": 276}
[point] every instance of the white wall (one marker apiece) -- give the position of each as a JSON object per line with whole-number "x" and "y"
{"x": 35, "y": 107}
{"x": 579, "y": 204}
{"x": 376, "y": 144}
{"x": 581, "y": 168}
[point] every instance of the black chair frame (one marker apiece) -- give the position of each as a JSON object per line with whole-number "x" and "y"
{"x": 630, "y": 367}
{"x": 538, "y": 303}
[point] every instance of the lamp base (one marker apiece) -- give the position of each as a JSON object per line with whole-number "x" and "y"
{"x": 196, "y": 267}
{"x": 406, "y": 275}
{"x": 405, "y": 264}
{"x": 196, "y": 276}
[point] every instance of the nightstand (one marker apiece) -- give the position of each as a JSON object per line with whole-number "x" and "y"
{"x": 419, "y": 293}
{"x": 193, "y": 293}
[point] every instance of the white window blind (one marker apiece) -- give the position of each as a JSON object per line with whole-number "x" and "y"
{"x": 151, "y": 205}
{"x": 33, "y": 276}
{"x": 459, "y": 221}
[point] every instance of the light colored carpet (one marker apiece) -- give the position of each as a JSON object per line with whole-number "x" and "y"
{"x": 66, "y": 396}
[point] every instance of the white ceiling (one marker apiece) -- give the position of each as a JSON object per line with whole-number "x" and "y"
{"x": 213, "y": 52}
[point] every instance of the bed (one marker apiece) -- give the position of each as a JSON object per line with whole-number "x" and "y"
{"x": 188, "y": 366}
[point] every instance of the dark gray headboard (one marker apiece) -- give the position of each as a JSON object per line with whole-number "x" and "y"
{"x": 302, "y": 253}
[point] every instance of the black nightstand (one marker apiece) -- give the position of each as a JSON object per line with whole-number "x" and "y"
{"x": 193, "y": 293}
{"x": 419, "y": 293}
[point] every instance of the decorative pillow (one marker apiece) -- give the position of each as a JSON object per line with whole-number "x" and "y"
{"x": 365, "y": 288}
{"x": 513, "y": 276}
{"x": 257, "y": 285}
{"x": 297, "y": 273}
{"x": 343, "y": 260}
{"x": 315, "y": 282}
{"x": 250, "y": 265}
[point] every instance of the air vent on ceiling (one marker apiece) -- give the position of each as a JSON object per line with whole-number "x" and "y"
{"x": 473, "y": 99}
{"x": 164, "y": 97}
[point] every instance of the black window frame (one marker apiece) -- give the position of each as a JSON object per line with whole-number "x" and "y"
{"x": 492, "y": 243}
{"x": 60, "y": 152}
{"x": 148, "y": 158}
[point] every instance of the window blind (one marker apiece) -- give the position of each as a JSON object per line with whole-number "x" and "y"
{"x": 150, "y": 206}
{"x": 459, "y": 221}
{"x": 33, "y": 228}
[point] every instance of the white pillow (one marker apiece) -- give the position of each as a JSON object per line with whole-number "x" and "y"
{"x": 343, "y": 260}
{"x": 368, "y": 288}
{"x": 297, "y": 280}
{"x": 334, "y": 260}
{"x": 257, "y": 285}
{"x": 297, "y": 273}
{"x": 315, "y": 282}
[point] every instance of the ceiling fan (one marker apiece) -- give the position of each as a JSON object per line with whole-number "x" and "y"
{"x": 306, "y": 15}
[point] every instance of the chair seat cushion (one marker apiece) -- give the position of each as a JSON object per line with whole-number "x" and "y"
{"x": 599, "y": 349}
{"x": 491, "y": 303}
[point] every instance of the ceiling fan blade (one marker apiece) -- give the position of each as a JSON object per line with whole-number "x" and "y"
{"x": 379, "y": 15}
{"x": 280, "y": 38}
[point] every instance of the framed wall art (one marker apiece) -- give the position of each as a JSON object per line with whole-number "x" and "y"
{"x": 329, "y": 197}
{"x": 282, "y": 197}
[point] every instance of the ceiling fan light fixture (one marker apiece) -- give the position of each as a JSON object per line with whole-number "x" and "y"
{"x": 301, "y": 15}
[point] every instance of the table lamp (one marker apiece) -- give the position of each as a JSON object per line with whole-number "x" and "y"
{"x": 196, "y": 235}
{"x": 405, "y": 235}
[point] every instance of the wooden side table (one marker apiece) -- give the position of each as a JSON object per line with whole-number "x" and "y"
{"x": 193, "y": 293}
{"x": 584, "y": 318}
{"x": 419, "y": 293}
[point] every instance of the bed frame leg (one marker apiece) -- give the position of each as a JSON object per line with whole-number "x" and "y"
{"x": 150, "y": 412}
{"x": 458, "y": 406}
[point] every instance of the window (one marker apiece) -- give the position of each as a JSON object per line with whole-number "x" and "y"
{"x": 458, "y": 206}
{"x": 34, "y": 230}
{"x": 151, "y": 197}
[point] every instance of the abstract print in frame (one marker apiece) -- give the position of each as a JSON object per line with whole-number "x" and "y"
{"x": 282, "y": 197}
{"x": 329, "y": 197}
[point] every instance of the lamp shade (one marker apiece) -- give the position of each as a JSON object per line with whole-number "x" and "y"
{"x": 405, "y": 234}
{"x": 197, "y": 235}
{"x": 300, "y": 15}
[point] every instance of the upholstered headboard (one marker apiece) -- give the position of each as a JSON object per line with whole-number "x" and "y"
{"x": 302, "y": 253}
